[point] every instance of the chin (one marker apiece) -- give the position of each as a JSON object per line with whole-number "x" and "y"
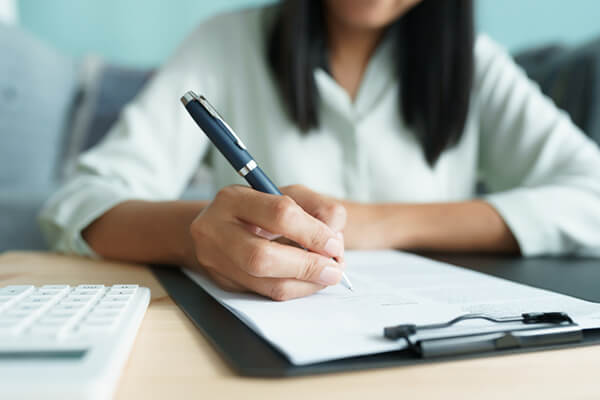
{"x": 369, "y": 14}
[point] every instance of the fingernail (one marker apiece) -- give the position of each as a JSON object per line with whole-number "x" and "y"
{"x": 334, "y": 247}
{"x": 330, "y": 276}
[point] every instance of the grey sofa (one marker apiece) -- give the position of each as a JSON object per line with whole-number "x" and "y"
{"x": 53, "y": 107}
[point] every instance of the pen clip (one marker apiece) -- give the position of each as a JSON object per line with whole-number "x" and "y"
{"x": 211, "y": 110}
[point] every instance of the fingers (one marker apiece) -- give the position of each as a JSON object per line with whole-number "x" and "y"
{"x": 272, "y": 269}
{"x": 281, "y": 215}
{"x": 330, "y": 211}
{"x": 261, "y": 232}
{"x": 229, "y": 241}
{"x": 260, "y": 258}
{"x": 284, "y": 289}
{"x": 279, "y": 289}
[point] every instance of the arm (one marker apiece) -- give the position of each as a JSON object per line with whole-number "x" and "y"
{"x": 149, "y": 154}
{"x": 119, "y": 205}
{"x": 146, "y": 232}
{"x": 473, "y": 226}
{"x": 544, "y": 174}
{"x": 466, "y": 226}
{"x": 222, "y": 238}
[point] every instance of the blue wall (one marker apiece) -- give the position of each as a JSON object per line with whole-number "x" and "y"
{"x": 523, "y": 23}
{"x": 144, "y": 32}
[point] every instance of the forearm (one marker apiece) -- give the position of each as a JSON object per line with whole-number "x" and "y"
{"x": 470, "y": 226}
{"x": 145, "y": 232}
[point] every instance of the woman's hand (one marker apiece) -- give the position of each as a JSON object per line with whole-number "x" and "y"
{"x": 230, "y": 238}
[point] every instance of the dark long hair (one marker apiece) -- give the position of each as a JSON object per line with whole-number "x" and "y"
{"x": 435, "y": 66}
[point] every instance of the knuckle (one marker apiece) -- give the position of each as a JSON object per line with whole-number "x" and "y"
{"x": 338, "y": 211}
{"x": 285, "y": 210}
{"x": 225, "y": 194}
{"x": 256, "y": 263}
{"x": 319, "y": 236}
{"x": 333, "y": 211}
{"x": 280, "y": 291}
{"x": 311, "y": 268}
{"x": 297, "y": 188}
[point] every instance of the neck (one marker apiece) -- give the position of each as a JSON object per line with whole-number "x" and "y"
{"x": 350, "y": 49}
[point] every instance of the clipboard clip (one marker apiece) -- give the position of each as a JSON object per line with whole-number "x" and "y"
{"x": 539, "y": 329}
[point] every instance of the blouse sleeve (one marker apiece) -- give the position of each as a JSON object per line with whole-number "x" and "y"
{"x": 151, "y": 153}
{"x": 543, "y": 172}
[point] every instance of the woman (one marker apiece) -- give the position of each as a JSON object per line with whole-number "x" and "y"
{"x": 387, "y": 111}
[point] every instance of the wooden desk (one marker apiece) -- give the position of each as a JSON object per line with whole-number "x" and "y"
{"x": 171, "y": 359}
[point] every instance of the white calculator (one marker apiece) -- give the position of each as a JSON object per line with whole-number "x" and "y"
{"x": 63, "y": 342}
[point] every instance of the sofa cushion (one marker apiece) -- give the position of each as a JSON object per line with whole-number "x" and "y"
{"x": 19, "y": 208}
{"x": 571, "y": 77}
{"x": 105, "y": 90}
{"x": 37, "y": 85}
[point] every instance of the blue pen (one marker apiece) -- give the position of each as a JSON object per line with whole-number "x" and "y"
{"x": 230, "y": 145}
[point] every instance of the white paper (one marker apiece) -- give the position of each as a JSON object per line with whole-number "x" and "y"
{"x": 390, "y": 288}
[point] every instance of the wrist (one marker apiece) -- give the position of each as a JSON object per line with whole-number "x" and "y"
{"x": 380, "y": 226}
{"x": 181, "y": 245}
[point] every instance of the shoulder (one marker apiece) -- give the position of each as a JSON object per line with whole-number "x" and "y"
{"x": 495, "y": 69}
{"x": 490, "y": 56}
{"x": 220, "y": 42}
{"x": 486, "y": 47}
{"x": 239, "y": 27}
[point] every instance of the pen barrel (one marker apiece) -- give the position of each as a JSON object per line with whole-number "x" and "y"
{"x": 231, "y": 148}
{"x": 219, "y": 135}
{"x": 261, "y": 182}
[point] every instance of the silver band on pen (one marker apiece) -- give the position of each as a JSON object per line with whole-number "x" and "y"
{"x": 246, "y": 169}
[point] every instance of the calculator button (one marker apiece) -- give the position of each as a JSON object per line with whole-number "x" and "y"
{"x": 68, "y": 307}
{"x": 62, "y": 313}
{"x": 45, "y": 330}
{"x": 53, "y": 320}
{"x": 121, "y": 287}
{"x": 89, "y": 287}
{"x": 36, "y": 299}
{"x": 8, "y": 320}
{"x": 5, "y": 302}
{"x": 55, "y": 287}
{"x": 15, "y": 290}
{"x": 86, "y": 292}
{"x": 49, "y": 292}
{"x": 117, "y": 292}
{"x": 92, "y": 330}
{"x": 14, "y": 326}
{"x": 28, "y": 307}
{"x": 104, "y": 313}
{"x": 107, "y": 324}
{"x": 120, "y": 299}
{"x": 110, "y": 306}
{"x": 99, "y": 319}
{"x": 77, "y": 299}
{"x": 9, "y": 330}
{"x": 17, "y": 313}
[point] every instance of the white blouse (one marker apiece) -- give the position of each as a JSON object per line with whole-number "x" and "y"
{"x": 542, "y": 171}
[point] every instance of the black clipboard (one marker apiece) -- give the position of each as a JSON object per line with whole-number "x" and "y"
{"x": 250, "y": 355}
